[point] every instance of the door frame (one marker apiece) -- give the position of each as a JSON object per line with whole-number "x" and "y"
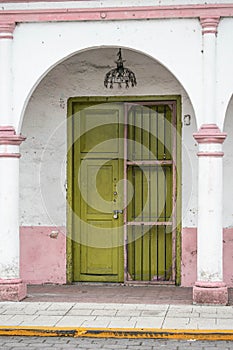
{"x": 70, "y": 187}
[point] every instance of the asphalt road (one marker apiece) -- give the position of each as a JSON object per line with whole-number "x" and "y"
{"x": 55, "y": 343}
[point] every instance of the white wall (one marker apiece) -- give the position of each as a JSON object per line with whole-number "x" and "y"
{"x": 175, "y": 43}
{"x": 105, "y": 3}
{"x": 224, "y": 67}
{"x": 42, "y": 166}
{"x": 38, "y": 47}
{"x": 228, "y": 169}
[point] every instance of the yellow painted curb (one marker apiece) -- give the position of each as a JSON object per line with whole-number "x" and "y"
{"x": 137, "y": 333}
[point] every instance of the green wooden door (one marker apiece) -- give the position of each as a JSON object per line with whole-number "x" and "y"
{"x": 97, "y": 248}
{"x": 150, "y": 212}
{"x": 103, "y": 248}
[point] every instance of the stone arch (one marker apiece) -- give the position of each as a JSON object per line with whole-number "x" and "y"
{"x": 46, "y": 109}
{"x": 50, "y": 66}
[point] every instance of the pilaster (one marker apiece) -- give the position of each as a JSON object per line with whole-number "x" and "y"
{"x": 11, "y": 286}
{"x": 209, "y": 287}
{"x": 6, "y": 86}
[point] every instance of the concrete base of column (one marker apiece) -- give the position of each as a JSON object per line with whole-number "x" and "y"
{"x": 210, "y": 293}
{"x": 12, "y": 290}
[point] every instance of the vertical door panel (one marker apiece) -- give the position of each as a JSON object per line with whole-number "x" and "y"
{"x": 150, "y": 210}
{"x": 97, "y": 250}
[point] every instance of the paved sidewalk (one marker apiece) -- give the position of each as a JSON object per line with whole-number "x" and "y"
{"x": 117, "y": 311}
{"x": 116, "y": 315}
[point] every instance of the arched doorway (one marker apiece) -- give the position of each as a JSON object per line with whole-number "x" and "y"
{"x": 45, "y": 152}
{"x": 123, "y": 188}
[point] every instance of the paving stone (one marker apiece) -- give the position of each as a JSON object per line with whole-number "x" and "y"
{"x": 60, "y": 340}
{"x": 176, "y": 314}
{"x": 112, "y": 346}
{"x": 205, "y": 315}
{"x": 224, "y": 315}
{"x": 13, "y": 305}
{"x": 2, "y": 310}
{"x": 128, "y": 313}
{"x": 60, "y": 306}
{"x": 44, "y": 321}
{"x": 4, "y": 318}
{"x": 135, "y": 342}
{"x": 20, "y": 348}
{"x": 78, "y": 312}
{"x": 154, "y": 313}
{"x": 101, "y": 321}
{"x": 67, "y": 346}
{"x": 24, "y": 311}
{"x": 116, "y": 306}
{"x": 38, "y": 344}
{"x": 50, "y": 313}
{"x": 38, "y": 305}
{"x": 14, "y": 344}
{"x": 163, "y": 307}
{"x": 142, "y": 347}
{"x": 32, "y": 347}
{"x": 225, "y": 323}
{"x": 182, "y": 308}
{"x": 205, "y": 309}
{"x": 220, "y": 308}
{"x": 18, "y": 320}
{"x": 176, "y": 323}
{"x": 104, "y": 312}
{"x": 201, "y": 323}
{"x": 26, "y": 339}
{"x": 122, "y": 322}
{"x": 74, "y": 321}
{"x": 92, "y": 306}
{"x": 148, "y": 322}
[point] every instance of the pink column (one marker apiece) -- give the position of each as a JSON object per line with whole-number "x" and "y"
{"x": 210, "y": 288}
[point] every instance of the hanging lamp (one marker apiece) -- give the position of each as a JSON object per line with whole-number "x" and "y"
{"x": 120, "y": 75}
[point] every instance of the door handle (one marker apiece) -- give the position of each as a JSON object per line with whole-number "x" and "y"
{"x": 116, "y": 212}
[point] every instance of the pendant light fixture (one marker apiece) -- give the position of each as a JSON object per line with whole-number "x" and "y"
{"x": 120, "y": 75}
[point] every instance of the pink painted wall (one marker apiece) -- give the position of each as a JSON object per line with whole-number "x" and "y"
{"x": 42, "y": 258}
{"x": 189, "y": 257}
{"x": 228, "y": 256}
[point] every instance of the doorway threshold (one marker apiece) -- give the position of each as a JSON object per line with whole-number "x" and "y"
{"x": 112, "y": 293}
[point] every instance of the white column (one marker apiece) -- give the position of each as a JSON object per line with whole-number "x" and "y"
{"x": 209, "y": 287}
{"x": 209, "y": 32}
{"x": 209, "y": 259}
{"x": 6, "y": 36}
{"x": 11, "y": 286}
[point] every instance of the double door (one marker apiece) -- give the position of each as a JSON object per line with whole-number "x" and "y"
{"x": 124, "y": 191}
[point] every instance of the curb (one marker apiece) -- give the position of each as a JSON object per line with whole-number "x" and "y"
{"x": 139, "y": 333}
